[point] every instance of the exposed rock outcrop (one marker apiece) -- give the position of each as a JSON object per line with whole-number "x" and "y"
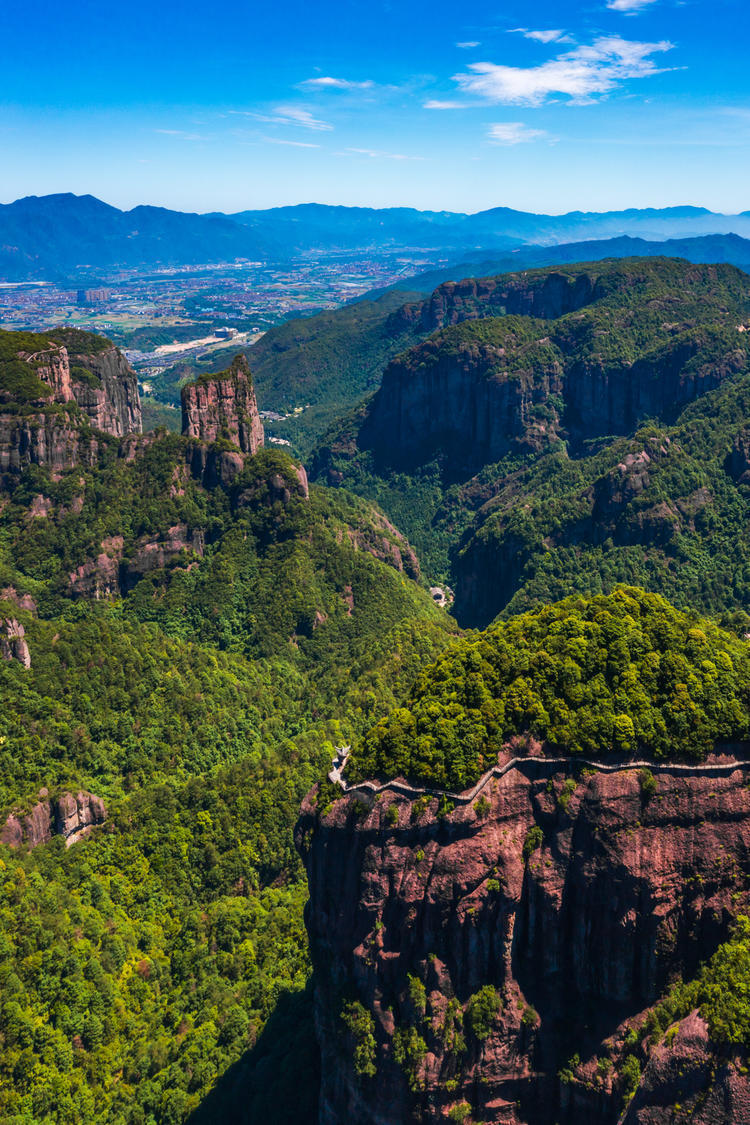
{"x": 109, "y": 574}
{"x": 223, "y": 407}
{"x": 71, "y": 817}
{"x": 90, "y": 393}
{"x": 53, "y": 441}
{"x": 475, "y": 393}
{"x": 108, "y": 394}
{"x": 547, "y": 295}
{"x": 578, "y": 902}
{"x": 687, "y": 1079}
{"x": 13, "y": 643}
{"x": 463, "y": 404}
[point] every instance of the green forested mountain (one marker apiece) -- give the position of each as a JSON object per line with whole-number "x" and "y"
{"x": 187, "y": 631}
{"x": 572, "y": 451}
{"x": 326, "y": 363}
{"x": 623, "y": 672}
{"x": 200, "y": 630}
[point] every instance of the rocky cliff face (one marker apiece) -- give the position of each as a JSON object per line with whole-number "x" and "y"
{"x": 475, "y": 393}
{"x": 547, "y": 295}
{"x": 690, "y": 1080}
{"x": 71, "y": 817}
{"x": 107, "y": 391}
{"x": 96, "y": 391}
{"x": 462, "y": 403}
{"x": 462, "y": 960}
{"x": 109, "y": 575}
{"x": 13, "y": 643}
{"x": 53, "y": 441}
{"x": 223, "y": 407}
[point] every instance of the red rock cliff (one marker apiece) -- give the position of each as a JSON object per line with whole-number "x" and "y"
{"x": 578, "y": 903}
{"x": 101, "y": 384}
{"x": 223, "y": 406}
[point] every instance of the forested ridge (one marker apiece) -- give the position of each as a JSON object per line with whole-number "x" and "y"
{"x": 199, "y": 645}
{"x": 195, "y": 655}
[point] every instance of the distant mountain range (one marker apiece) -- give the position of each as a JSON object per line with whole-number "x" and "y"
{"x": 57, "y": 237}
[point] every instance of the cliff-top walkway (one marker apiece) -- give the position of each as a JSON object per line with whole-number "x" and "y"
{"x": 413, "y": 792}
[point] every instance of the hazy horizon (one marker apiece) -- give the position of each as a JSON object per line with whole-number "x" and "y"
{"x": 395, "y": 206}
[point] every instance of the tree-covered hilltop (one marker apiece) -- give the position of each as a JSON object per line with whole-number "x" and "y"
{"x": 624, "y": 672}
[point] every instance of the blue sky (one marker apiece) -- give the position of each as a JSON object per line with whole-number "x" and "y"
{"x": 438, "y": 105}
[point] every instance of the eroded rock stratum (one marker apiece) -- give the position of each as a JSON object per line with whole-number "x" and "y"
{"x": 489, "y": 964}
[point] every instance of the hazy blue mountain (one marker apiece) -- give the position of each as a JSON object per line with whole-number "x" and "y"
{"x": 55, "y": 237}
{"x": 703, "y": 248}
{"x": 315, "y": 226}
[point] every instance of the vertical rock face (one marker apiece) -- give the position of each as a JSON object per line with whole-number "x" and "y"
{"x": 13, "y": 643}
{"x": 461, "y": 404}
{"x": 113, "y": 405}
{"x": 223, "y": 407}
{"x": 53, "y": 368}
{"x": 577, "y": 906}
{"x": 100, "y": 383}
{"x": 709, "y": 1087}
{"x": 548, "y": 295}
{"x": 53, "y": 441}
{"x": 68, "y": 816}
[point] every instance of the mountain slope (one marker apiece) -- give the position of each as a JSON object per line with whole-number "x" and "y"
{"x": 185, "y": 630}
{"x": 492, "y": 442}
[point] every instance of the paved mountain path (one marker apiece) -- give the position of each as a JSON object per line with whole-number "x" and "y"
{"x": 415, "y": 791}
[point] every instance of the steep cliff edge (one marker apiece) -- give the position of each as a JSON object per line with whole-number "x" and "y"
{"x": 59, "y": 392}
{"x": 506, "y": 880}
{"x": 106, "y": 389}
{"x": 462, "y": 960}
{"x": 223, "y": 407}
{"x": 480, "y": 390}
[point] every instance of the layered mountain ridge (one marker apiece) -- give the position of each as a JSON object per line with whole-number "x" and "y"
{"x": 57, "y": 236}
{"x": 526, "y": 456}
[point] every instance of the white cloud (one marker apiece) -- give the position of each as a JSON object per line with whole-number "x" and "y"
{"x": 580, "y": 74}
{"x": 181, "y": 134}
{"x": 513, "y": 133}
{"x": 467, "y": 46}
{"x": 376, "y": 155}
{"x": 628, "y": 6}
{"x": 437, "y": 104}
{"x": 294, "y": 144}
{"x": 328, "y": 83}
{"x": 552, "y": 36}
{"x": 287, "y": 115}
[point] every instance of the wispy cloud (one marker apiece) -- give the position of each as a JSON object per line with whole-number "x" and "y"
{"x": 293, "y": 144}
{"x": 375, "y": 154}
{"x": 552, "y": 36}
{"x": 436, "y": 103}
{"x": 580, "y": 74}
{"x": 181, "y": 134}
{"x": 513, "y": 133}
{"x": 629, "y": 6}
{"x": 294, "y": 115}
{"x": 467, "y": 46}
{"x": 327, "y": 83}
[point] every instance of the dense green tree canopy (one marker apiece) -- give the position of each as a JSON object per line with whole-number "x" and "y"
{"x": 623, "y": 672}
